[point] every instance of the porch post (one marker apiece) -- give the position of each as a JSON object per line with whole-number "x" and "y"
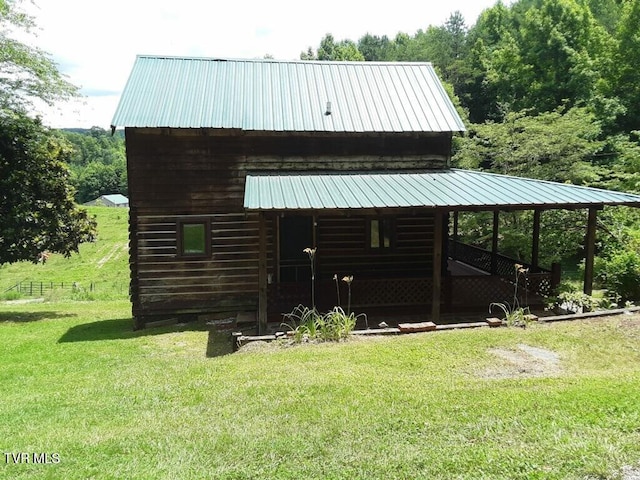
{"x": 437, "y": 267}
{"x": 262, "y": 273}
{"x": 455, "y": 235}
{"x": 494, "y": 243}
{"x": 590, "y": 249}
{"x": 535, "y": 244}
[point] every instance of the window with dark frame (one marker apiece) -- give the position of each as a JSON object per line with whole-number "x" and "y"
{"x": 380, "y": 235}
{"x": 194, "y": 238}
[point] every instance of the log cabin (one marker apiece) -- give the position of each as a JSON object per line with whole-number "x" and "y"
{"x": 235, "y": 167}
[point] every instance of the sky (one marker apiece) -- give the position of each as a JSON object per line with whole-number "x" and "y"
{"x": 95, "y": 43}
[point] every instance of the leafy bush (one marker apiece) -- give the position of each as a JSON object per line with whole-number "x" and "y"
{"x": 571, "y": 299}
{"x": 620, "y": 274}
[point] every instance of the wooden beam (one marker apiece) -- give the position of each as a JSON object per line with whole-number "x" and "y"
{"x": 494, "y": 243}
{"x": 437, "y": 267}
{"x": 262, "y": 274}
{"x": 454, "y": 251}
{"x": 590, "y": 250}
{"x": 535, "y": 244}
{"x": 276, "y": 226}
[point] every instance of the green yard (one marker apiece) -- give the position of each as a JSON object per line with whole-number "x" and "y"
{"x": 100, "y": 269}
{"x": 174, "y": 403}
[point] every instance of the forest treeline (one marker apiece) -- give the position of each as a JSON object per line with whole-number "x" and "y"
{"x": 97, "y": 162}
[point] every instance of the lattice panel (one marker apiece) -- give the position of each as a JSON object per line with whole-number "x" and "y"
{"x": 458, "y": 292}
{"x": 405, "y": 291}
{"x": 479, "y": 291}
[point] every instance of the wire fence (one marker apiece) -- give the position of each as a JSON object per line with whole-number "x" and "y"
{"x": 32, "y": 288}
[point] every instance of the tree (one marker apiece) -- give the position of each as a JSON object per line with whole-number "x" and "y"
{"x": 100, "y": 179}
{"x": 557, "y": 146}
{"x": 329, "y": 49}
{"x": 37, "y": 212}
{"x": 375, "y": 48}
{"x": 626, "y": 75}
{"x": 26, "y": 73}
{"x": 540, "y": 55}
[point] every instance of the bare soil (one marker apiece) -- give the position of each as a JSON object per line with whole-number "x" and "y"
{"x": 523, "y": 361}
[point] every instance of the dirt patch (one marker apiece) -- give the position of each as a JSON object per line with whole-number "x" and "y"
{"x": 630, "y": 473}
{"x": 524, "y": 361}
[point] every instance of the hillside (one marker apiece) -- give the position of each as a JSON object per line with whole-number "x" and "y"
{"x": 100, "y": 269}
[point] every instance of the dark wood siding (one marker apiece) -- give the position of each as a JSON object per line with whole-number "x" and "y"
{"x": 343, "y": 249}
{"x": 180, "y": 174}
{"x": 228, "y": 279}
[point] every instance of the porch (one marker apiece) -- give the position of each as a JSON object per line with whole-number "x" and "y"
{"x": 468, "y": 287}
{"x": 428, "y": 281}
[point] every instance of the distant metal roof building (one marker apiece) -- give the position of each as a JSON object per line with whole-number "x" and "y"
{"x": 113, "y": 200}
{"x": 285, "y": 96}
{"x": 451, "y": 189}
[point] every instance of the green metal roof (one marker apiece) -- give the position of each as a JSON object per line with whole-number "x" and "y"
{"x": 287, "y": 96}
{"x": 452, "y": 189}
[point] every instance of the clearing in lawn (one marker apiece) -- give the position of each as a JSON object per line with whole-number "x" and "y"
{"x": 553, "y": 401}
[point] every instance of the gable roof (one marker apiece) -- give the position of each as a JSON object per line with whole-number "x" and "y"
{"x": 285, "y": 96}
{"x": 115, "y": 198}
{"x": 451, "y": 189}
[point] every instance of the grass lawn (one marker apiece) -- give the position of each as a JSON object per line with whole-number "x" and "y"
{"x": 173, "y": 403}
{"x": 101, "y": 268}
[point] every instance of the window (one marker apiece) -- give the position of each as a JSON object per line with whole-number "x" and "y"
{"x": 380, "y": 233}
{"x": 194, "y": 238}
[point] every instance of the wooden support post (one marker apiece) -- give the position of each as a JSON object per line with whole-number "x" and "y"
{"x": 454, "y": 253}
{"x": 437, "y": 267}
{"x": 262, "y": 274}
{"x": 556, "y": 275}
{"x": 535, "y": 244}
{"x": 590, "y": 251}
{"x": 494, "y": 243}
{"x": 276, "y": 226}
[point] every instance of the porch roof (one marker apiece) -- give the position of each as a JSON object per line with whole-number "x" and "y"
{"x": 453, "y": 189}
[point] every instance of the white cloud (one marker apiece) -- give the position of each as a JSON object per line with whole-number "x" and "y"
{"x": 95, "y": 44}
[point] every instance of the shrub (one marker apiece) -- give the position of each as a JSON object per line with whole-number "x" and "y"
{"x": 572, "y": 300}
{"x": 620, "y": 275}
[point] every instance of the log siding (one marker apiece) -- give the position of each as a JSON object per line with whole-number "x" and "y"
{"x": 182, "y": 175}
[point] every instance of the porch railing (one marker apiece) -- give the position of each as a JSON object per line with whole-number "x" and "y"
{"x": 465, "y": 292}
{"x": 482, "y": 259}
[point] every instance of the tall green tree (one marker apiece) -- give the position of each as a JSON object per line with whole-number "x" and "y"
{"x": 375, "y": 48}
{"x": 625, "y": 78}
{"x": 329, "y": 49}
{"x": 37, "y": 211}
{"x": 541, "y": 54}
